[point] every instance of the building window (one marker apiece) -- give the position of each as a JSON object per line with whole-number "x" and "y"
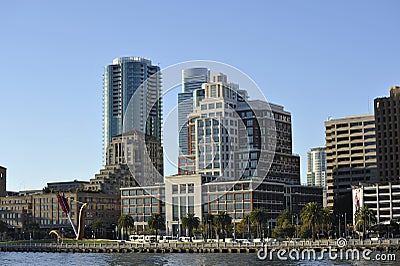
{"x": 238, "y": 196}
{"x": 174, "y": 189}
{"x": 190, "y": 188}
{"x": 183, "y": 188}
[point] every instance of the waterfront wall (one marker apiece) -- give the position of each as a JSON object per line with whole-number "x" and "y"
{"x": 222, "y": 247}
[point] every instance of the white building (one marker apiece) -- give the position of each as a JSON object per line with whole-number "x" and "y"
{"x": 382, "y": 199}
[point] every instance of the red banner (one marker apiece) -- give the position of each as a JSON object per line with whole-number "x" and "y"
{"x": 62, "y": 200}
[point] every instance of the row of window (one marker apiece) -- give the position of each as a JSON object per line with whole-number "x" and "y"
{"x": 211, "y": 106}
{"x": 140, "y": 201}
{"x": 141, "y": 192}
{"x": 183, "y": 188}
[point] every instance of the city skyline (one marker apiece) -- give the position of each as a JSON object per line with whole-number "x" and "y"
{"x": 300, "y": 62}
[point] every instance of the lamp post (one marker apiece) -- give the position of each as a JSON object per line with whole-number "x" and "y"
{"x": 234, "y": 224}
{"x": 345, "y": 224}
{"x": 248, "y": 228}
{"x": 209, "y": 233}
{"x": 167, "y": 229}
{"x": 179, "y": 228}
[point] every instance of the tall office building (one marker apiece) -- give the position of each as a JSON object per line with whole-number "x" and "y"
{"x": 232, "y": 137}
{"x": 125, "y": 77}
{"x": 316, "y": 171}
{"x": 3, "y": 181}
{"x": 350, "y": 158}
{"x": 192, "y": 79}
{"x": 387, "y": 119}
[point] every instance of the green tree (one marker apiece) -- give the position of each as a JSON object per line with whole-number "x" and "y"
{"x": 190, "y": 222}
{"x": 97, "y": 225}
{"x": 3, "y": 226}
{"x": 209, "y": 219}
{"x": 284, "y": 227}
{"x": 312, "y": 216}
{"x": 126, "y": 222}
{"x": 364, "y": 218}
{"x": 258, "y": 217}
{"x": 245, "y": 227}
{"x": 305, "y": 231}
{"x": 222, "y": 220}
{"x": 327, "y": 219}
{"x": 156, "y": 222}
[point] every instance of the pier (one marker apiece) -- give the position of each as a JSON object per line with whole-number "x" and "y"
{"x": 190, "y": 247}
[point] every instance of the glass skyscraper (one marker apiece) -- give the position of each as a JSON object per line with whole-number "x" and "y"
{"x": 192, "y": 79}
{"x": 125, "y": 77}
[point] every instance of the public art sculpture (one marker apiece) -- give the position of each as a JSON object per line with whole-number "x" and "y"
{"x": 63, "y": 201}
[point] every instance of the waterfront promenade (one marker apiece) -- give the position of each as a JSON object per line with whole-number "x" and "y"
{"x": 189, "y": 247}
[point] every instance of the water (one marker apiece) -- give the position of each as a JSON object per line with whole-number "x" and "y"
{"x": 86, "y": 259}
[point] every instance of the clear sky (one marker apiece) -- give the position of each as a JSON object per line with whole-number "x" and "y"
{"x": 317, "y": 58}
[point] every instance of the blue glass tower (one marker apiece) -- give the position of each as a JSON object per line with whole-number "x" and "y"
{"x": 192, "y": 79}
{"x": 121, "y": 80}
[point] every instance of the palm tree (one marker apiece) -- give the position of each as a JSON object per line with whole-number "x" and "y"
{"x": 221, "y": 221}
{"x": 244, "y": 226}
{"x": 97, "y": 225}
{"x": 189, "y": 222}
{"x": 156, "y": 222}
{"x": 258, "y": 217}
{"x": 210, "y": 221}
{"x": 364, "y": 216}
{"x": 327, "y": 220}
{"x": 312, "y": 215}
{"x": 126, "y": 221}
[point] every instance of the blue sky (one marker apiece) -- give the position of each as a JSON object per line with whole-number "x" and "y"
{"x": 317, "y": 58}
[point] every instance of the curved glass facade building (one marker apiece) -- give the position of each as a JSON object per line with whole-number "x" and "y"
{"x": 192, "y": 79}
{"x": 120, "y": 82}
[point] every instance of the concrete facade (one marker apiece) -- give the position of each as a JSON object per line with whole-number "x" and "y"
{"x": 387, "y": 119}
{"x": 350, "y": 157}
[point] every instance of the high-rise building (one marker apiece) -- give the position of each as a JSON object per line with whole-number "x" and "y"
{"x": 3, "y": 175}
{"x": 268, "y": 128}
{"x": 192, "y": 79}
{"x": 125, "y": 77}
{"x": 232, "y": 137}
{"x": 387, "y": 119}
{"x": 316, "y": 171}
{"x": 350, "y": 158}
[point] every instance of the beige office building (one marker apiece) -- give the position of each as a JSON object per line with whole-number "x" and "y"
{"x": 350, "y": 158}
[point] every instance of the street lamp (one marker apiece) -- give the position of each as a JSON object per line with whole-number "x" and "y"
{"x": 234, "y": 224}
{"x": 209, "y": 233}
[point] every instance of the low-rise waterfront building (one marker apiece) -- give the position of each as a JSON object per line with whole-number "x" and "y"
{"x": 142, "y": 202}
{"x": 201, "y": 194}
{"x": 382, "y": 198}
{"x": 42, "y": 209}
{"x": 70, "y": 186}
